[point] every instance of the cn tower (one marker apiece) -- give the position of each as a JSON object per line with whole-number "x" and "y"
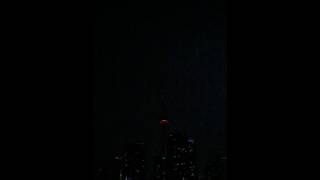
{"x": 164, "y": 125}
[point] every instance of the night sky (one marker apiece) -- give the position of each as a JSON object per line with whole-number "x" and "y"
{"x": 141, "y": 56}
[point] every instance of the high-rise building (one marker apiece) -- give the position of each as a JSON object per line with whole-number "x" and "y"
{"x": 133, "y": 162}
{"x": 216, "y": 169}
{"x": 180, "y": 160}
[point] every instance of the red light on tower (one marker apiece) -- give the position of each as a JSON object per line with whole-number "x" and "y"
{"x": 164, "y": 122}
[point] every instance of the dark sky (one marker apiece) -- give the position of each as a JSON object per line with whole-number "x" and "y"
{"x": 140, "y": 55}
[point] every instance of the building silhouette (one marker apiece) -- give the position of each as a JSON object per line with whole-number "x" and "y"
{"x": 177, "y": 160}
{"x": 180, "y": 160}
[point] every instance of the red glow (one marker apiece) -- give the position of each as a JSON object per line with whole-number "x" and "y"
{"x": 164, "y": 122}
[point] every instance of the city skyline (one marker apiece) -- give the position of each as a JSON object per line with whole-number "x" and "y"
{"x": 148, "y": 63}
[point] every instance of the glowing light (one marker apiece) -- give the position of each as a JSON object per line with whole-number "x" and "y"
{"x": 164, "y": 122}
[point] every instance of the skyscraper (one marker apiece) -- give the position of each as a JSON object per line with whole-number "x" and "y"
{"x": 179, "y": 162}
{"x": 133, "y": 162}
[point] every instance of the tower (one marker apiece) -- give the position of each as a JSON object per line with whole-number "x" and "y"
{"x": 164, "y": 125}
{"x": 161, "y": 161}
